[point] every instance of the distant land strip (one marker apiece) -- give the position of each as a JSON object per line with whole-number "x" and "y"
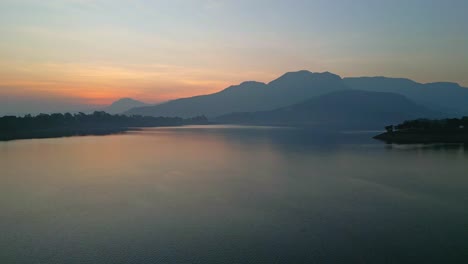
{"x": 97, "y": 123}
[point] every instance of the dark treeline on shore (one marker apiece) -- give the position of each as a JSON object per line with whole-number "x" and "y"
{"x": 451, "y": 130}
{"x": 449, "y": 124}
{"x": 97, "y": 123}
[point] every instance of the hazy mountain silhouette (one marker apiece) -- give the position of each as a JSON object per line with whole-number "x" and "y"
{"x": 249, "y": 96}
{"x": 123, "y": 105}
{"x": 294, "y": 87}
{"x": 444, "y": 96}
{"x": 341, "y": 109}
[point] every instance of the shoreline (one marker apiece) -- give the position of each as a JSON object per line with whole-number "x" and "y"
{"x": 418, "y": 137}
{"x": 68, "y": 125}
{"x": 59, "y": 133}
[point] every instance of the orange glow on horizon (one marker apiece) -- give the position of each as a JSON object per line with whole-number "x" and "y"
{"x": 101, "y": 85}
{"x": 99, "y": 95}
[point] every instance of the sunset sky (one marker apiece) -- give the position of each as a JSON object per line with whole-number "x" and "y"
{"x": 62, "y": 54}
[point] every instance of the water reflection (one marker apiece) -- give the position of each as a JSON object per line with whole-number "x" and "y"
{"x": 281, "y": 137}
{"x": 231, "y": 195}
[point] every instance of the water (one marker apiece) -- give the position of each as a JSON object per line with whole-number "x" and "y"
{"x": 232, "y": 195}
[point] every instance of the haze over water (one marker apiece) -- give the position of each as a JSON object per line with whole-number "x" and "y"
{"x": 229, "y": 194}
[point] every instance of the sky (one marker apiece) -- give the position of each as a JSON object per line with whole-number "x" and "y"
{"x": 58, "y": 55}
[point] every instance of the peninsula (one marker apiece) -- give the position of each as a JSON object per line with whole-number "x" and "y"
{"x": 424, "y": 131}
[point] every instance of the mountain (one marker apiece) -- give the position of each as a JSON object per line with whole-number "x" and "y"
{"x": 288, "y": 89}
{"x": 444, "y": 96}
{"x": 349, "y": 109}
{"x": 294, "y": 87}
{"x": 123, "y": 105}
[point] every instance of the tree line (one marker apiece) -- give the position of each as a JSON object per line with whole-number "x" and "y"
{"x": 97, "y": 119}
{"x": 447, "y": 125}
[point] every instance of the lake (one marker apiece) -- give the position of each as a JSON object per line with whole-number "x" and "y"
{"x": 232, "y": 194}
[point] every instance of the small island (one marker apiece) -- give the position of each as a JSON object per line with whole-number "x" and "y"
{"x": 425, "y": 131}
{"x": 80, "y": 124}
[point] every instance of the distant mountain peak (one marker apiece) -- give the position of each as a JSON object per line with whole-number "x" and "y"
{"x": 122, "y": 105}
{"x": 246, "y": 85}
{"x": 126, "y": 100}
{"x": 251, "y": 83}
{"x": 445, "y": 84}
{"x": 328, "y": 74}
{"x": 309, "y": 73}
{"x": 384, "y": 78}
{"x": 306, "y": 75}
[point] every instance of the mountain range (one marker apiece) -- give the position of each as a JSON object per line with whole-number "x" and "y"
{"x": 341, "y": 109}
{"x": 305, "y": 97}
{"x": 294, "y": 87}
{"x": 443, "y": 96}
{"x": 290, "y": 88}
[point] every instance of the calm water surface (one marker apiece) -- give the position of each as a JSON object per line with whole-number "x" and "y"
{"x": 232, "y": 195}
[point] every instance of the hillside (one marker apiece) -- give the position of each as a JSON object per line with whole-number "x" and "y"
{"x": 249, "y": 96}
{"x": 443, "y": 96}
{"x": 294, "y": 87}
{"x": 341, "y": 109}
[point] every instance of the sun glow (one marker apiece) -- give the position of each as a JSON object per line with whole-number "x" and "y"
{"x": 102, "y": 84}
